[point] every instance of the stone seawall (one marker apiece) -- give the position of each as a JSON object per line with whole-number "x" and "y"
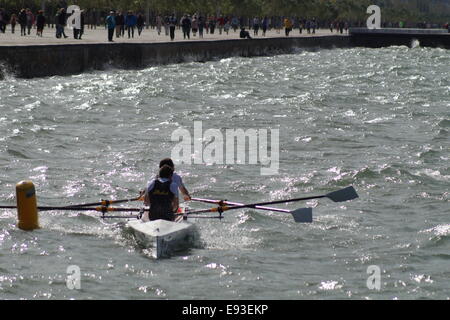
{"x": 48, "y": 60}
{"x": 377, "y": 38}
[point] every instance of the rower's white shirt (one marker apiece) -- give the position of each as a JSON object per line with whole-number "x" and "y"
{"x": 177, "y": 180}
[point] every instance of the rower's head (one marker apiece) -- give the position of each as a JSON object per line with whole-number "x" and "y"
{"x": 166, "y": 172}
{"x": 167, "y": 162}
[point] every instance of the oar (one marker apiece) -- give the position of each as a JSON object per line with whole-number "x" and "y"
{"x": 345, "y": 194}
{"x": 105, "y": 202}
{"x": 225, "y": 202}
{"x": 342, "y": 195}
{"x": 300, "y": 215}
{"x": 100, "y": 209}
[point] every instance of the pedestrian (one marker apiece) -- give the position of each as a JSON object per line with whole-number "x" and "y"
{"x": 220, "y": 23}
{"x": 60, "y": 23}
{"x": 159, "y": 23}
{"x": 30, "y": 20}
{"x": 111, "y": 25}
{"x": 94, "y": 19}
{"x": 13, "y": 22}
{"x": 186, "y": 26}
{"x": 234, "y": 23}
{"x": 264, "y": 25}
{"x": 227, "y": 25}
{"x": 130, "y": 21}
{"x": 120, "y": 22}
{"x": 166, "y": 25}
{"x": 3, "y": 20}
{"x": 140, "y": 24}
{"x": 172, "y": 25}
{"x": 40, "y": 23}
{"x": 255, "y": 26}
{"x": 287, "y": 26}
{"x": 212, "y": 24}
{"x": 81, "y": 30}
{"x": 301, "y": 25}
{"x": 194, "y": 25}
{"x": 201, "y": 26}
{"x": 23, "y": 22}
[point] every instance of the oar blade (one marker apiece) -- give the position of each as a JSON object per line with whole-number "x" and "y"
{"x": 342, "y": 195}
{"x": 303, "y": 215}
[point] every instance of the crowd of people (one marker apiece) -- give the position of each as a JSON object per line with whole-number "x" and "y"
{"x": 124, "y": 23}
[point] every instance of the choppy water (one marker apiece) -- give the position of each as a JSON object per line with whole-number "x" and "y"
{"x": 375, "y": 119}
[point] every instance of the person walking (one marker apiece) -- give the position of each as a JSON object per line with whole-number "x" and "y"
{"x": 81, "y": 30}
{"x": 186, "y": 26}
{"x": 255, "y": 26}
{"x": 227, "y": 25}
{"x": 140, "y": 22}
{"x": 30, "y": 20}
{"x": 159, "y": 23}
{"x": 166, "y": 25}
{"x": 40, "y": 23}
{"x": 120, "y": 22}
{"x": 194, "y": 25}
{"x": 13, "y": 22}
{"x": 23, "y": 22}
{"x": 111, "y": 25}
{"x": 60, "y": 23}
{"x": 130, "y": 22}
{"x": 264, "y": 26}
{"x": 287, "y": 26}
{"x": 201, "y": 26}
{"x": 220, "y": 23}
{"x": 3, "y": 20}
{"x": 172, "y": 25}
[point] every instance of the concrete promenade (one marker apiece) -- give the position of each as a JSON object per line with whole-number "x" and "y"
{"x": 99, "y": 35}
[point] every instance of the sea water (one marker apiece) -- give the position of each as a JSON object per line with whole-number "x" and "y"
{"x": 377, "y": 119}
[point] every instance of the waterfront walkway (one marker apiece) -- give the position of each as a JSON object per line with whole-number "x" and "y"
{"x": 99, "y": 35}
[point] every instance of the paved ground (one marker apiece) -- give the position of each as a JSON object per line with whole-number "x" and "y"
{"x": 99, "y": 35}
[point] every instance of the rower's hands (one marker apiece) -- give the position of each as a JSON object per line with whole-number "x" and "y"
{"x": 187, "y": 198}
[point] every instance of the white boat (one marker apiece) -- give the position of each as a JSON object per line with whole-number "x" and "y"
{"x": 162, "y": 236}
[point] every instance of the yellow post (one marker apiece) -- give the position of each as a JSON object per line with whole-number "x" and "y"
{"x": 27, "y": 206}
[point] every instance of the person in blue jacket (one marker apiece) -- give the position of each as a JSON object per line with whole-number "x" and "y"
{"x": 130, "y": 22}
{"x": 111, "y": 25}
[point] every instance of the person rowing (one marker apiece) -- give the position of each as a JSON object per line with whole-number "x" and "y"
{"x": 176, "y": 178}
{"x": 161, "y": 195}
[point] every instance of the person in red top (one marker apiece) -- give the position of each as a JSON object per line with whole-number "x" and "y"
{"x": 221, "y": 23}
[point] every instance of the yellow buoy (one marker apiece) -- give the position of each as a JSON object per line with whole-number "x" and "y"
{"x": 27, "y": 206}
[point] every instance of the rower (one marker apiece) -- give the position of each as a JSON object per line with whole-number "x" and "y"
{"x": 176, "y": 178}
{"x": 161, "y": 195}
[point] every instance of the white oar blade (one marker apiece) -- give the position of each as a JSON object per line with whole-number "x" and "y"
{"x": 346, "y": 194}
{"x": 303, "y": 215}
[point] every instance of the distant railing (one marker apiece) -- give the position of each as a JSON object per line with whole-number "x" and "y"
{"x": 398, "y": 31}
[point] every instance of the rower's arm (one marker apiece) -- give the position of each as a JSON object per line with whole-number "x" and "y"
{"x": 185, "y": 192}
{"x": 146, "y": 198}
{"x": 175, "y": 204}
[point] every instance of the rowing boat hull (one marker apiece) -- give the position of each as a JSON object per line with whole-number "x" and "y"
{"x": 164, "y": 237}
